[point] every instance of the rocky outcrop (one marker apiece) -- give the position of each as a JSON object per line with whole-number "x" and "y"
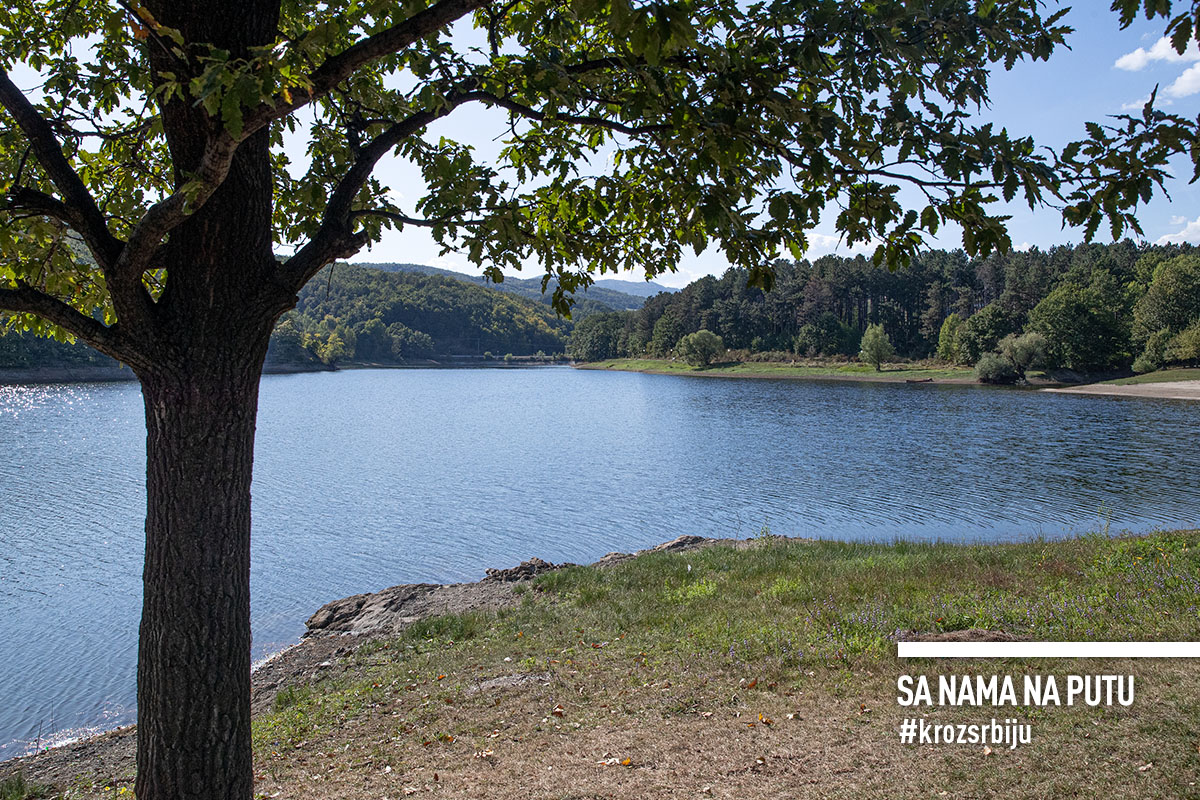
{"x": 392, "y": 609}
{"x": 523, "y": 571}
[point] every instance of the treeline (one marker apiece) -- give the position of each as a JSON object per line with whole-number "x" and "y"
{"x": 369, "y": 315}
{"x": 1098, "y": 308}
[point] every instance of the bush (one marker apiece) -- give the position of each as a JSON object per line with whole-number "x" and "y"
{"x": 994, "y": 368}
{"x": 1143, "y": 365}
{"x": 1024, "y": 351}
{"x": 700, "y": 348}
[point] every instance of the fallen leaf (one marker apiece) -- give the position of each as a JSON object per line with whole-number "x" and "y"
{"x": 987, "y": 751}
{"x": 558, "y": 711}
{"x": 626, "y": 762}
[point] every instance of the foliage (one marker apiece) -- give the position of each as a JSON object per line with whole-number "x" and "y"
{"x": 1185, "y": 347}
{"x": 983, "y": 330}
{"x": 994, "y": 368}
{"x": 1172, "y": 300}
{"x": 948, "y": 348}
{"x": 825, "y": 337}
{"x": 700, "y": 348}
{"x": 1083, "y": 332}
{"x": 148, "y": 190}
{"x": 596, "y": 338}
{"x": 876, "y": 346}
{"x": 820, "y": 308}
{"x": 433, "y": 314}
{"x": 667, "y": 332}
{"x": 1023, "y": 352}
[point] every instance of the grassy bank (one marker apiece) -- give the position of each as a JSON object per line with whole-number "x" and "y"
{"x": 758, "y": 369}
{"x": 1160, "y": 376}
{"x": 766, "y": 671}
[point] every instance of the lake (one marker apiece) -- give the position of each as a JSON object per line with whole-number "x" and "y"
{"x": 369, "y": 478}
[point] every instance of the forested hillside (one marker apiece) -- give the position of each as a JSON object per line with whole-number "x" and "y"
{"x": 361, "y": 314}
{"x": 1097, "y": 307}
{"x": 605, "y": 295}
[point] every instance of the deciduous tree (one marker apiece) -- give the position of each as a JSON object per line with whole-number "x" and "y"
{"x": 148, "y": 194}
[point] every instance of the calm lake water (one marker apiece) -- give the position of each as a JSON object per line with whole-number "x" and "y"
{"x": 365, "y": 479}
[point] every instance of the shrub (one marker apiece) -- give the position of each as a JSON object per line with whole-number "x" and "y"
{"x": 994, "y": 368}
{"x": 1024, "y": 351}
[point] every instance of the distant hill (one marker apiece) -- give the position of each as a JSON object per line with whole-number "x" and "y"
{"x": 635, "y": 288}
{"x": 380, "y": 316}
{"x": 613, "y": 294}
{"x": 366, "y": 315}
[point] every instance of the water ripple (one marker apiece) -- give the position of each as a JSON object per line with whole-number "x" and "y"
{"x": 366, "y": 479}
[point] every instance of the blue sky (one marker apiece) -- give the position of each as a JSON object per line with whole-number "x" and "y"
{"x": 1047, "y": 100}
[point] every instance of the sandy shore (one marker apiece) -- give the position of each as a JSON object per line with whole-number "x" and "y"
{"x": 1167, "y": 390}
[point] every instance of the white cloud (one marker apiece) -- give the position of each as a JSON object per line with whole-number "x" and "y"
{"x": 1136, "y": 105}
{"x": 820, "y": 244}
{"x": 1186, "y": 84}
{"x": 1190, "y": 232}
{"x": 1162, "y": 50}
{"x": 1179, "y": 220}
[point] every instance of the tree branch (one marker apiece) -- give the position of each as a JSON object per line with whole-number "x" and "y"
{"x": 108, "y": 340}
{"x": 164, "y": 215}
{"x": 336, "y": 69}
{"x": 78, "y": 205}
{"x": 574, "y": 119}
{"x": 335, "y": 237}
{"x": 404, "y": 219}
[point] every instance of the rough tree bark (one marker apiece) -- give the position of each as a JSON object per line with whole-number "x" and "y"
{"x": 212, "y": 326}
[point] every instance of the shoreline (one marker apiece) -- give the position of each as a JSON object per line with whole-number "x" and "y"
{"x": 1165, "y": 390}
{"x": 766, "y": 370}
{"x": 342, "y": 625}
{"x": 1183, "y": 389}
{"x": 495, "y": 674}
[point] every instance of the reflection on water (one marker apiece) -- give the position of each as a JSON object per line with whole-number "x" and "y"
{"x": 369, "y": 478}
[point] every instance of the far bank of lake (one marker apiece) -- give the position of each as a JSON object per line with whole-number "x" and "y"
{"x": 1170, "y": 384}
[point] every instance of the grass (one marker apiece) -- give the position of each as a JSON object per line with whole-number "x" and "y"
{"x": 763, "y": 671}
{"x": 16, "y": 787}
{"x": 757, "y": 369}
{"x": 1161, "y": 376}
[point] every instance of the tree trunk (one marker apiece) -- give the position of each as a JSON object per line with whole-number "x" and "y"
{"x": 194, "y": 648}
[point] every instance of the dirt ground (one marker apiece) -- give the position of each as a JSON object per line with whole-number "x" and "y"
{"x": 1172, "y": 390}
